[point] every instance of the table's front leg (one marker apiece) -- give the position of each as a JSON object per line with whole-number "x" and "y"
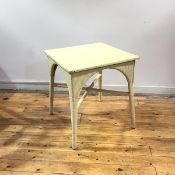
{"x": 74, "y": 92}
{"x": 75, "y": 82}
{"x": 74, "y": 115}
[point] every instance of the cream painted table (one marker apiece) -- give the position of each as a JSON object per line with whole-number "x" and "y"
{"x": 79, "y": 63}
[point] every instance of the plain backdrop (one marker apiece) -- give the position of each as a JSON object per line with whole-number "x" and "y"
{"x": 142, "y": 27}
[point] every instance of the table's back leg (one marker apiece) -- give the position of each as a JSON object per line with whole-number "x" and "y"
{"x": 52, "y": 69}
{"x": 100, "y": 86}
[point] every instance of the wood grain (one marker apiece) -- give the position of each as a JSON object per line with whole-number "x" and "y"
{"x": 33, "y": 142}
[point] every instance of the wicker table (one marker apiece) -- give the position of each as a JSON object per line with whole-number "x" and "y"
{"x": 79, "y": 63}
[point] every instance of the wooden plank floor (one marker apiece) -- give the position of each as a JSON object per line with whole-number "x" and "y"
{"x": 33, "y": 142}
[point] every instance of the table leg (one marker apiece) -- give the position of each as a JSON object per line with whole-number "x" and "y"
{"x": 75, "y": 83}
{"x": 52, "y": 69}
{"x": 74, "y": 116}
{"x": 100, "y": 86}
{"x": 74, "y": 92}
{"x": 132, "y": 105}
{"x": 128, "y": 70}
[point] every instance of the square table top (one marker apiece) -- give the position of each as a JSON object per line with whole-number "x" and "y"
{"x": 88, "y": 56}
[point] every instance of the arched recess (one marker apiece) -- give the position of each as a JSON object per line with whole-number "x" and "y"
{"x": 127, "y": 70}
{"x": 122, "y": 73}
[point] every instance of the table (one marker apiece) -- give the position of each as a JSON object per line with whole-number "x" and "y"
{"x": 79, "y": 63}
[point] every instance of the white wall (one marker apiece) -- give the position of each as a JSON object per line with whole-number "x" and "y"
{"x": 146, "y": 28}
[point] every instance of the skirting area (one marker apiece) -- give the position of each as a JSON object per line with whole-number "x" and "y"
{"x": 38, "y": 86}
{"x": 33, "y": 142}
